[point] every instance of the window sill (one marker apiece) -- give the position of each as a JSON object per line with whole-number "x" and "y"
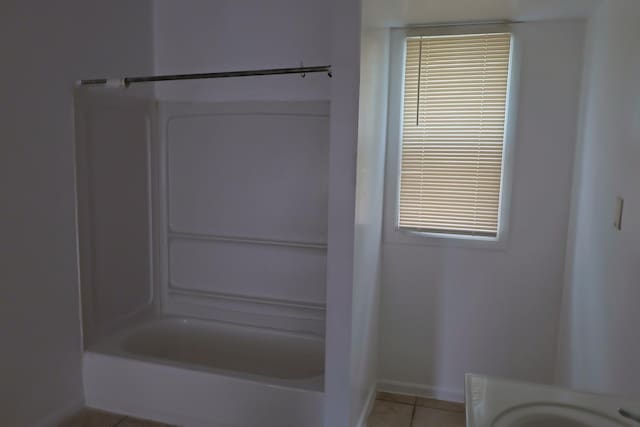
{"x": 416, "y": 238}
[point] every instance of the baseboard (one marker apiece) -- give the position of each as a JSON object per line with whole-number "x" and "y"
{"x": 368, "y": 406}
{"x": 55, "y": 418}
{"x": 421, "y": 390}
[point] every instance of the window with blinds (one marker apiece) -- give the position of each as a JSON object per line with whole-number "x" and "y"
{"x": 455, "y": 94}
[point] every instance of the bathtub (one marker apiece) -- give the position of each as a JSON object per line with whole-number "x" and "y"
{"x": 196, "y": 373}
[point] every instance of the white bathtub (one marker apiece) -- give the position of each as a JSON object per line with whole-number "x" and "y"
{"x": 206, "y": 374}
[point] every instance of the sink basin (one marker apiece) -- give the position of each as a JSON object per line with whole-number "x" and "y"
{"x": 551, "y": 415}
{"x": 493, "y": 402}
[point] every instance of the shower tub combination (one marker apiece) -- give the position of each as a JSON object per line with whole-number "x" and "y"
{"x": 195, "y": 312}
{"x": 200, "y": 373}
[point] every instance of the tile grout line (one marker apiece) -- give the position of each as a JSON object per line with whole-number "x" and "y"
{"x": 413, "y": 415}
{"x": 124, "y": 417}
{"x": 455, "y": 411}
{"x": 391, "y": 400}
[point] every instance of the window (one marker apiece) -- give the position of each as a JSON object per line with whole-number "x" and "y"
{"x": 453, "y": 127}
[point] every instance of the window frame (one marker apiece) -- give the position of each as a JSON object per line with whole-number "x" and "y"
{"x": 392, "y": 233}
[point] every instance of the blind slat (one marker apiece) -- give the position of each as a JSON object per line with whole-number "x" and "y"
{"x": 453, "y": 133}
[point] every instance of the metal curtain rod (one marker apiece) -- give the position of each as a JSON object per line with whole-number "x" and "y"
{"x": 126, "y": 81}
{"x": 461, "y": 24}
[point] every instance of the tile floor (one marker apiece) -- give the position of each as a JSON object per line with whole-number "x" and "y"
{"x": 393, "y": 410}
{"x": 94, "y": 418}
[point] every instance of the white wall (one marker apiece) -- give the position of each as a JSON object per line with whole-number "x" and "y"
{"x": 599, "y": 346}
{"x": 398, "y": 13}
{"x": 445, "y": 310}
{"x": 344, "y": 36}
{"x": 194, "y": 36}
{"x": 374, "y": 79}
{"x": 45, "y": 47}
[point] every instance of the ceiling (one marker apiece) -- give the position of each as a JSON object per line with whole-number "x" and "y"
{"x": 408, "y": 12}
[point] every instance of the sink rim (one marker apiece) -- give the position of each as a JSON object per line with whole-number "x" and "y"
{"x": 612, "y": 418}
{"x": 488, "y": 398}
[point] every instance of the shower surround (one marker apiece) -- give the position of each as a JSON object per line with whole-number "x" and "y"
{"x": 203, "y": 238}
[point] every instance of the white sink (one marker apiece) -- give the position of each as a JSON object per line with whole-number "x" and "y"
{"x": 493, "y": 402}
{"x": 550, "y": 415}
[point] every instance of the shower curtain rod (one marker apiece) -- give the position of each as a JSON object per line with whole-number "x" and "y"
{"x": 126, "y": 81}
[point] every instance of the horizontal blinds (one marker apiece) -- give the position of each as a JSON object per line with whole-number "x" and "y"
{"x": 453, "y": 133}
